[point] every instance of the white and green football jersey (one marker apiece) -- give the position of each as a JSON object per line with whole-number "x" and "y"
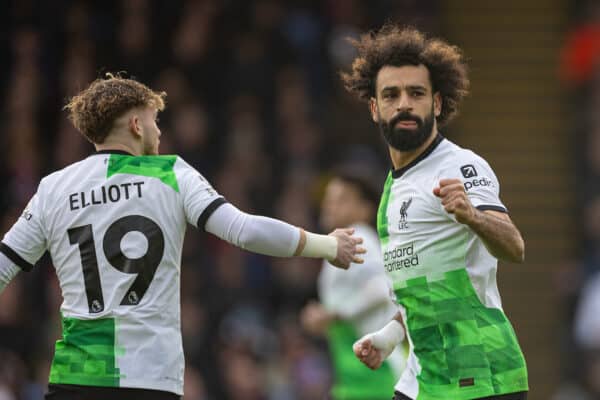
{"x": 462, "y": 346}
{"x": 114, "y": 225}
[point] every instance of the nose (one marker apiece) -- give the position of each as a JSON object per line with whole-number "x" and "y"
{"x": 404, "y": 103}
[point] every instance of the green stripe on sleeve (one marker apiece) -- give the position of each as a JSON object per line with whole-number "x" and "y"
{"x": 160, "y": 167}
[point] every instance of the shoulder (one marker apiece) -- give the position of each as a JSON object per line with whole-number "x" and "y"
{"x": 190, "y": 179}
{"x": 68, "y": 172}
{"x": 179, "y": 161}
{"x": 186, "y": 171}
{"x": 460, "y": 162}
{"x": 453, "y": 153}
{"x": 182, "y": 167}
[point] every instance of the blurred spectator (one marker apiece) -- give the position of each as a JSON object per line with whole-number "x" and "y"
{"x": 356, "y": 301}
{"x": 580, "y": 279}
{"x": 587, "y": 333}
{"x": 580, "y": 56}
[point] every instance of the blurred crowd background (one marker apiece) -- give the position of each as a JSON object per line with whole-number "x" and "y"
{"x": 580, "y": 278}
{"x": 255, "y": 104}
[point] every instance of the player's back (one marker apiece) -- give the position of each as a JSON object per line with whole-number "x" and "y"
{"x": 111, "y": 227}
{"x": 114, "y": 225}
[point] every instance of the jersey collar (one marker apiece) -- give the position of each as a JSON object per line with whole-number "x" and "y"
{"x": 110, "y": 151}
{"x": 397, "y": 173}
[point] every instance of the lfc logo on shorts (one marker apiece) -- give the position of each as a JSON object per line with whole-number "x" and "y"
{"x": 403, "y": 224}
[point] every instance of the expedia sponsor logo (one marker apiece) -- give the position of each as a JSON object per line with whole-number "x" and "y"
{"x": 478, "y": 182}
{"x": 468, "y": 171}
{"x": 399, "y": 258}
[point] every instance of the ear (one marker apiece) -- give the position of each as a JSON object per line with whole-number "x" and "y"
{"x": 134, "y": 125}
{"x": 374, "y": 109}
{"x": 437, "y": 104}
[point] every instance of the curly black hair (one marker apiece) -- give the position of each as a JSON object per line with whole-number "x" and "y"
{"x": 396, "y": 46}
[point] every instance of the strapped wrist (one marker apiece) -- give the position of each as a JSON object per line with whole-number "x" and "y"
{"x": 316, "y": 246}
{"x": 388, "y": 337}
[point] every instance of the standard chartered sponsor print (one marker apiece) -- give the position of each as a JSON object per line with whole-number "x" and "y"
{"x": 400, "y": 257}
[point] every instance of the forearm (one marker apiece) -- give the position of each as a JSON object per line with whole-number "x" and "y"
{"x": 495, "y": 228}
{"x": 267, "y": 235}
{"x": 373, "y": 348}
{"x": 501, "y": 237}
{"x": 390, "y": 336}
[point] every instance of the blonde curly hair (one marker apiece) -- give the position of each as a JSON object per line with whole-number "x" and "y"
{"x": 94, "y": 110}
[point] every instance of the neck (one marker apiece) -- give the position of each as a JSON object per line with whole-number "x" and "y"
{"x": 117, "y": 145}
{"x": 403, "y": 158}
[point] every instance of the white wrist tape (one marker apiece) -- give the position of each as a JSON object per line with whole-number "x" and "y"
{"x": 388, "y": 337}
{"x": 320, "y": 246}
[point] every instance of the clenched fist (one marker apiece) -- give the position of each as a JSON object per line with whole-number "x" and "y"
{"x": 455, "y": 200}
{"x": 367, "y": 353}
{"x": 373, "y": 348}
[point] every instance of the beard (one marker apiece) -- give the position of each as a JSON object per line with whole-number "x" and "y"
{"x": 407, "y": 139}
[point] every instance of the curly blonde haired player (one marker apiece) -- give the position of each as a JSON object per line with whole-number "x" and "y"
{"x": 442, "y": 227}
{"x": 114, "y": 224}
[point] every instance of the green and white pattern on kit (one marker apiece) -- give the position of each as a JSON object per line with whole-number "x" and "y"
{"x": 86, "y": 354}
{"x": 160, "y": 167}
{"x": 457, "y": 337}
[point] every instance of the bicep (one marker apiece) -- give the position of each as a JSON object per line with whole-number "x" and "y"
{"x": 223, "y": 220}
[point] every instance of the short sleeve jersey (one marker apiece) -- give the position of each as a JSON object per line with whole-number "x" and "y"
{"x": 462, "y": 345}
{"x": 114, "y": 225}
{"x": 340, "y": 292}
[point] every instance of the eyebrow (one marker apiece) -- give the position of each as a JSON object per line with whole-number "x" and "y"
{"x": 410, "y": 87}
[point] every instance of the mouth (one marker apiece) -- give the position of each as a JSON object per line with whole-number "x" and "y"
{"x": 406, "y": 124}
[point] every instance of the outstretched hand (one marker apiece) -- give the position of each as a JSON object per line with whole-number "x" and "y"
{"x": 348, "y": 248}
